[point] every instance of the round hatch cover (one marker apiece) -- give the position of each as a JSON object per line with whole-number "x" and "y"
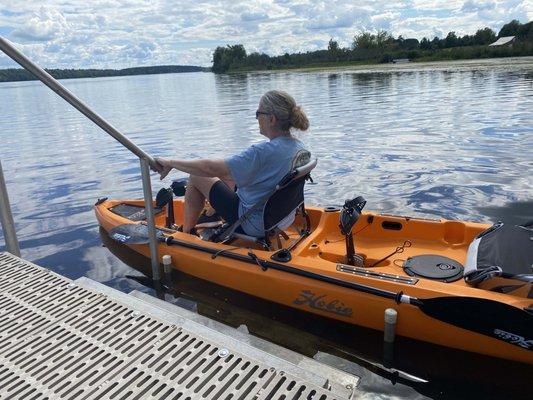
{"x": 434, "y": 267}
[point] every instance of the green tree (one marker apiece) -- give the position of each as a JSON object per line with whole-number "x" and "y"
{"x": 383, "y": 39}
{"x": 410, "y": 44}
{"x": 334, "y": 51}
{"x": 510, "y": 29}
{"x": 333, "y": 46}
{"x": 238, "y": 52}
{"x": 451, "y": 40}
{"x": 467, "y": 40}
{"x": 425, "y": 44}
{"x": 225, "y": 57}
{"x": 436, "y": 43}
{"x": 220, "y": 60}
{"x": 365, "y": 40}
{"x": 484, "y": 36}
{"x": 526, "y": 31}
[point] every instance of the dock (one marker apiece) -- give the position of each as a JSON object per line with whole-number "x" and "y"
{"x": 64, "y": 339}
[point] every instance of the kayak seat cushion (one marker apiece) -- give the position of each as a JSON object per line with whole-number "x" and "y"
{"x": 503, "y": 251}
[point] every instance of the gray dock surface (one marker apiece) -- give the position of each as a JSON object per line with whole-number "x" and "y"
{"x": 63, "y": 339}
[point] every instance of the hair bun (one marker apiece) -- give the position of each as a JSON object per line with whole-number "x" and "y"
{"x": 299, "y": 119}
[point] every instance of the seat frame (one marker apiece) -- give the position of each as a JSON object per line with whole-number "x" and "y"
{"x": 293, "y": 177}
{"x": 265, "y": 241}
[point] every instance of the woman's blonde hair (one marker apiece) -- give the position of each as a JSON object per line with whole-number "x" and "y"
{"x": 284, "y": 108}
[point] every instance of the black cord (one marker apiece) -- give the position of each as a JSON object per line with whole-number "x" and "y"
{"x": 399, "y": 249}
{"x": 336, "y": 241}
{"x": 213, "y": 256}
{"x": 257, "y": 260}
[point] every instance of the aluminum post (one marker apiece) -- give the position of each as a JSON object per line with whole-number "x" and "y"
{"x": 6, "y": 218}
{"x": 150, "y": 219}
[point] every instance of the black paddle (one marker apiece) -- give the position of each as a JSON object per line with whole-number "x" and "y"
{"x": 488, "y": 317}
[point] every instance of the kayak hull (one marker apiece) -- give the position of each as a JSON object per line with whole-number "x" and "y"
{"x": 322, "y": 253}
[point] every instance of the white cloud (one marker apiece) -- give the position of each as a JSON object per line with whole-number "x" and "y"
{"x": 253, "y": 16}
{"x": 45, "y": 25}
{"x": 126, "y": 33}
{"x": 477, "y": 5}
{"x": 385, "y": 21}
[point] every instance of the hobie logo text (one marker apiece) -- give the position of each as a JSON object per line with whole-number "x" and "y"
{"x": 320, "y": 302}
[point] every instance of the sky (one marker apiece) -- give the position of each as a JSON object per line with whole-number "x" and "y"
{"x": 130, "y": 33}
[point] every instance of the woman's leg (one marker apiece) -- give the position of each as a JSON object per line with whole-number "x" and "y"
{"x": 198, "y": 188}
{"x": 210, "y": 210}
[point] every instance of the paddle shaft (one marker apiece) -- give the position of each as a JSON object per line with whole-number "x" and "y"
{"x": 62, "y": 91}
{"x": 252, "y": 259}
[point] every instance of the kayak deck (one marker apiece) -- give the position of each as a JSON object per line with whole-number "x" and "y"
{"x": 376, "y": 236}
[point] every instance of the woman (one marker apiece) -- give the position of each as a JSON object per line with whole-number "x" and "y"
{"x": 255, "y": 171}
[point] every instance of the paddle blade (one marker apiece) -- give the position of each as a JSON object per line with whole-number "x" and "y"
{"x": 488, "y": 317}
{"x": 133, "y": 234}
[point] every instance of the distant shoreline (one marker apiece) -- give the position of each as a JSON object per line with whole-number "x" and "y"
{"x": 367, "y": 48}
{"x": 20, "y": 74}
{"x": 380, "y": 67}
{"x": 10, "y": 75}
{"x": 366, "y": 63}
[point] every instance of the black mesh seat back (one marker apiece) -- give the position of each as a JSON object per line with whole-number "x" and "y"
{"x": 290, "y": 191}
{"x": 283, "y": 202}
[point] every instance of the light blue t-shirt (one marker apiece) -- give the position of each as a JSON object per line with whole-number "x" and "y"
{"x": 256, "y": 172}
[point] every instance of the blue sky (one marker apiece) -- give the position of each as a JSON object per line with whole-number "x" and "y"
{"x": 127, "y": 33}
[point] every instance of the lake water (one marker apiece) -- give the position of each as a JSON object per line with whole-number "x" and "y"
{"x": 450, "y": 140}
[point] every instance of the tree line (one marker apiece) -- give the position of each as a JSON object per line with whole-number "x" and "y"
{"x": 19, "y": 74}
{"x": 382, "y": 47}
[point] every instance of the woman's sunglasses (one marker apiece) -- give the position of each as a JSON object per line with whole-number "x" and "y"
{"x": 258, "y": 113}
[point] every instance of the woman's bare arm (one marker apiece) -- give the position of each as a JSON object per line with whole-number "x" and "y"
{"x": 204, "y": 167}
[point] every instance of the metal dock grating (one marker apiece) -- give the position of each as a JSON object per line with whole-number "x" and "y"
{"x": 59, "y": 340}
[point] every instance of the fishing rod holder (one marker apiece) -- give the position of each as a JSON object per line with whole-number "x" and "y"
{"x": 350, "y": 213}
{"x": 165, "y": 197}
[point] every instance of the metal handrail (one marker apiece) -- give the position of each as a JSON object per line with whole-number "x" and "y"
{"x": 146, "y": 160}
{"x": 6, "y": 218}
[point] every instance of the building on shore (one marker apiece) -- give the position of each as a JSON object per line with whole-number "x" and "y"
{"x": 504, "y": 41}
{"x": 400, "y": 60}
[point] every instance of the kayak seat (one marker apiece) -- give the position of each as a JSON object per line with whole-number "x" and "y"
{"x": 280, "y": 207}
{"x": 500, "y": 259}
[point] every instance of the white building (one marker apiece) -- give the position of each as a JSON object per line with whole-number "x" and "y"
{"x": 504, "y": 41}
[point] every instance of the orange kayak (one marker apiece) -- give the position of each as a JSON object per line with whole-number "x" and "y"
{"x": 414, "y": 266}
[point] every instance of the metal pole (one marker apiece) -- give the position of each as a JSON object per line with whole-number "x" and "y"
{"x": 150, "y": 219}
{"x": 8, "y": 226}
{"x": 62, "y": 91}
